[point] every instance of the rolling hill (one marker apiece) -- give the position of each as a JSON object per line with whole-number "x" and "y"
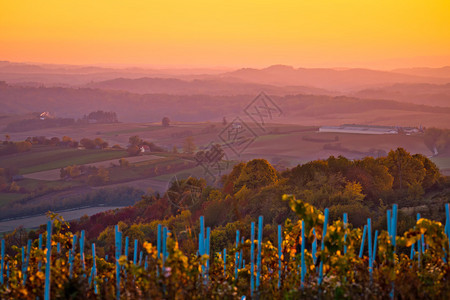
{"x": 296, "y": 109}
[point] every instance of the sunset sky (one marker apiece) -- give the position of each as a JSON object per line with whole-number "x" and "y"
{"x": 309, "y": 33}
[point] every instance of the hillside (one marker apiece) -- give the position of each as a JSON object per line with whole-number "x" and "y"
{"x": 332, "y": 79}
{"x": 296, "y": 109}
{"x": 221, "y": 87}
{"x": 419, "y": 93}
{"x": 443, "y": 72}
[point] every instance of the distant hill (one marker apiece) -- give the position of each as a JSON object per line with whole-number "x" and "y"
{"x": 223, "y": 86}
{"x": 420, "y": 93}
{"x": 298, "y": 109}
{"x": 443, "y": 72}
{"x": 291, "y": 79}
{"x": 73, "y": 75}
{"x": 330, "y": 79}
{"x": 427, "y": 86}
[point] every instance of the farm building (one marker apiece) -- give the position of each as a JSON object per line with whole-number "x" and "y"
{"x": 45, "y": 115}
{"x": 368, "y": 129}
{"x": 145, "y": 148}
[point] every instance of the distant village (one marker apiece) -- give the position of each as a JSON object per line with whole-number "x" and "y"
{"x": 372, "y": 129}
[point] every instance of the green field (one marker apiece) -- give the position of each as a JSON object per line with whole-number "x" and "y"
{"x": 132, "y": 130}
{"x": 42, "y": 158}
{"x": 198, "y": 172}
{"x": 35, "y": 185}
{"x": 6, "y": 198}
{"x": 141, "y": 170}
{"x": 443, "y": 162}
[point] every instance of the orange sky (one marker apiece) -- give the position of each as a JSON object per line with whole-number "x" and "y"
{"x": 311, "y": 33}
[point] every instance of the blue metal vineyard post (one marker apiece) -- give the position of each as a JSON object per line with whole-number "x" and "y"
{"x": 236, "y": 256}
{"x": 280, "y": 238}
{"x": 201, "y": 242}
{"x": 40, "y": 248}
{"x": 369, "y": 240}
{"x": 422, "y": 239}
{"x": 118, "y": 243}
{"x": 314, "y": 247}
{"x": 94, "y": 270}
{"x": 164, "y": 244}
{"x": 224, "y": 262}
{"x": 419, "y": 245}
{"x": 345, "y": 236}
{"x": 158, "y": 243}
{"x": 48, "y": 262}
{"x": 361, "y": 249}
{"x": 82, "y": 251}
{"x": 447, "y": 225}
{"x": 394, "y": 225}
{"x": 27, "y": 261}
{"x": 303, "y": 264}
{"x": 94, "y": 258}
{"x": 23, "y": 257}
{"x": 72, "y": 255}
{"x": 252, "y": 258}
{"x": 324, "y": 233}
{"x": 135, "y": 252}
{"x": 259, "y": 258}
{"x": 393, "y": 234}
{"x": 201, "y": 235}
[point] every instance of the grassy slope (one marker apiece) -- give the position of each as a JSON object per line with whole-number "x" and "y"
{"x": 42, "y": 158}
{"x": 6, "y": 198}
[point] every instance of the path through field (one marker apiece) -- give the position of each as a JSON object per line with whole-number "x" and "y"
{"x": 51, "y": 175}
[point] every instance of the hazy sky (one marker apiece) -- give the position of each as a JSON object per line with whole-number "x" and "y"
{"x": 369, "y": 33}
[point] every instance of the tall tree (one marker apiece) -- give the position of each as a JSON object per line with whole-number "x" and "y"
{"x": 135, "y": 140}
{"x": 405, "y": 169}
{"x": 189, "y": 145}
{"x": 255, "y": 174}
{"x": 165, "y": 122}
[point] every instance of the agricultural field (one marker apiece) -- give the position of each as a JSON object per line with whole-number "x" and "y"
{"x": 284, "y": 145}
{"x": 42, "y": 158}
